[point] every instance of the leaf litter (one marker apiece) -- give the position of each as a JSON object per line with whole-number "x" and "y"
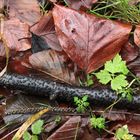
{"x": 59, "y": 36}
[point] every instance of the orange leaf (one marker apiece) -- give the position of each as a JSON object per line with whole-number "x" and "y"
{"x": 87, "y": 39}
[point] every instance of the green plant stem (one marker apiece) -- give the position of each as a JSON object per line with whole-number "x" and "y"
{"x": 135, "y": 77}
{"x": 109, "y": 131}
{"x": 115, "y": 102}
{"x": 130, "y": 84}
{"x": 98, "y": 9}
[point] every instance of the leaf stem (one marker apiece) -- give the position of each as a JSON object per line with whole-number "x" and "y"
{"x": 115, "y": 102}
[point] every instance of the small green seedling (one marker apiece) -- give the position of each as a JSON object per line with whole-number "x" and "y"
{"x": 123, "y": 134}
{"x": 36, "y": 129}
{"x": 115, "y": 72}
{"x": 97, "y": 122}
{"x": 81, "y": 104}
{"x": 89, "y": 81}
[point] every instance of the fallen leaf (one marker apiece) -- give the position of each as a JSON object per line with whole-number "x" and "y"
{"x": 29, "y": 121}
{"x": 137, "y": 35}
{"x": 86, "y": 135}
{"x": 52, "y": 62}
{"x": 1, "y": 4}
{"x": 46, "y": 30}
{"x": 80, "y": 4}
{"x": 38, "y": 43}
{"x": 129, "y": 52}
{"x": 87, "y": 39}
{"x": 68, "y": 131}
{"x": 2, "y": 49}
{"x": 115, "y": 116}
{"x": 134, "y": 127}
{"x": 14, "y": 30}
{"x": 134, "y": 66}
{"x": 27, "y": 11}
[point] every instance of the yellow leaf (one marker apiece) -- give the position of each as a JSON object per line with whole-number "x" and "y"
{"x": 29, "y": 121}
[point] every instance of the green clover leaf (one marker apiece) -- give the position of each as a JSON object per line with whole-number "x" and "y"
{"x": 103, "y": 76}
{"x": 119, "y": 82}
{"x": 116, "y": 65}
{"x": 37, "y": 127}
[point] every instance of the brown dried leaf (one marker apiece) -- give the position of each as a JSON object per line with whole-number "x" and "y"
{"x": 68, "y": 130}
{"x": 137, "y": 36}
{"x": 45, "y": 28}
{"x": 53, "y": 63}
{"x": 115, "y": 117}
{"x": 134, "y": 66}
{"x": 88, "y": 40}
{"x": 27, "y": 11}
{"x": 1, "y": 4}
{"x": 2, "y": 49}
{"x": 129, "y": 52}
{"x": 14, "y": 30}
{"x": 134, "y": 127}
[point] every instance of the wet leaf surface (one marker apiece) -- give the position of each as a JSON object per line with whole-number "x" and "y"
{"x": 135, "y": 66}
{"x": 115, "y": 117}
{"x": 70, "y": 127}
{"x": 2, "y": 49}
{"x": 134, "y": 127}
{"x": 46, "y": 30}
{"x": 60, "y": 41}
{"x": 129, "y": 52}
{"x": 14, "y": 32}
{"x": 54, "y": 63}
{"x": 19, "y": 102}
{"x": 25, "y": 10}
{"x": 137, "y": 35}
{"x": 93, "y": 41}
{"x": 38, "y": 44}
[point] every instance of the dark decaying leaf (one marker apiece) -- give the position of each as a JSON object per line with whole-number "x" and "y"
{"x": 14, "y": 30}
{"x": 2, "y": 49}
{"x": 137, "y": 35}
{"x": 86, "y": 135}
{"x": 89, "y": 40}
{"x": 38, "y": 44}
{"x": 134, "y": 127}
{"x": 129, "y": 52}
{"x": 115, "y": 116}
{"x": 45, "y": 28}
{"x": 68, "y": 131}
{"x": 54, "y": 63}
{"x": 19, "y": 102}
{"x": 134, "y": 66}
{"x": 80, "y": 4}
{"x": 27, "y": 11}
